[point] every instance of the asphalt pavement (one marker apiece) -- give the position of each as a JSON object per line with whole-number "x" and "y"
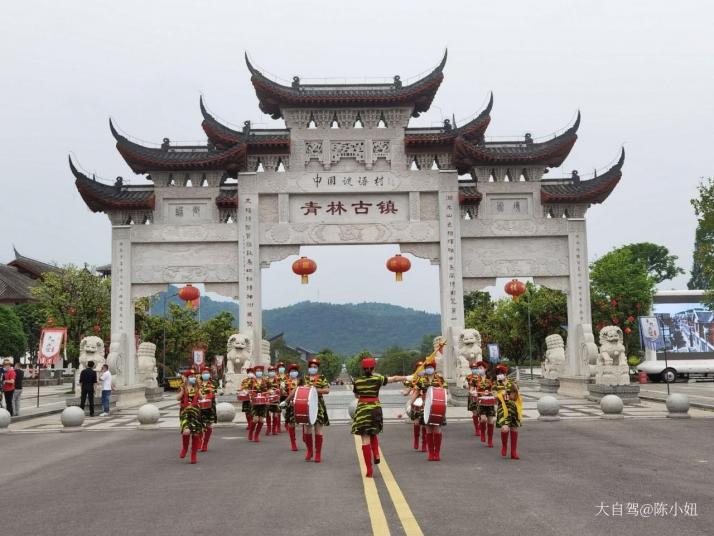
{"x": 570, "y": 472}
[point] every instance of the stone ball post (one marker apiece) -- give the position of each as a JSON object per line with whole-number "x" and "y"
{"x": 678, "y": 406}
{"x": 148, "y": 417}
{"x": 5, "y": 419}
{"x": 72, "y": 418}
{"x": 611, "y": 406}
{"x": 225, "y": 412}
{"x": 548, "y": 408}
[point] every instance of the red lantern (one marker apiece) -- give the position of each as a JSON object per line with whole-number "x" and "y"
{"x": 96, "y": 329}
{"x": 627, "y": 331}
{"x": 72, "y": 311}
{"x": 398, "y": 265}
{"x": 189, "y": 293}
{"x": 304, "y": 267}
{"x": 515, "y": 289}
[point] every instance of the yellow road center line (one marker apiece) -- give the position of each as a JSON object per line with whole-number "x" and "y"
{"x": 374, "y": 505}
{"x": 409, "y": 522}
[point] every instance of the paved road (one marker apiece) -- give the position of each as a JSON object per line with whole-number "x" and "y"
{"x": 131, "y": 482}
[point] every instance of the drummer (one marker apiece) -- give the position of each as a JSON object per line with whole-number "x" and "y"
{"x": 315, "y": 379}
{"x": 472, "y": 405}
{"x": 246, "y": 407}
{"x": 281, "y": 377}
{"x": 287, "y": 387}
{"x": 190, "y": 415}
{"x": 509, "y": 411}
{"x": 273, "y": 415}
{"x": 260, "y": 411}
{"x": 415, "y": 413}
{"x": 431, "y": 378}
{"x": 486, "y": 412}
{"x": 367, "y": 420}
{"x": 208, "y": 390}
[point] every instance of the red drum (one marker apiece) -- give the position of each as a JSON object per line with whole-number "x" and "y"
{"x": 205, "y": 403}
{"x": 243, "y": 396}
{"x": 435, "y": 405}
{"x": 487, "y": 400}
{"x": 273, "y": 396}
{"x": 306, "y": 405}
{"x": 259, "y": 399}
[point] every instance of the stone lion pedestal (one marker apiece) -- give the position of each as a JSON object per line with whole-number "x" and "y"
{"x": 458, "y": 396}
{"x": 549, "y": 385}
{"x": 612, "y": 373}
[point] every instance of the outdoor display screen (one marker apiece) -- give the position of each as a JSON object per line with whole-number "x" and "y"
{"x": 687, "y": 329}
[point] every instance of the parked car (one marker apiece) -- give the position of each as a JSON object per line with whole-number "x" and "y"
{"x": 657, "y": 370}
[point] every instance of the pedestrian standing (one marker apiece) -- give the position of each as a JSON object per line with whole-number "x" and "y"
{"x": 106, "y": 379}
{"x": 8, "y": 384}
{"x": 87, "y": 381}
{"x": 19, "y": 376}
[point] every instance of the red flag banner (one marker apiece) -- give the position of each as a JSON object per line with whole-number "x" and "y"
{"x": 51, "y": 341}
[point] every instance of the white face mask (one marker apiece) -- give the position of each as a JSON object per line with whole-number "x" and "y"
{"x": 312, "y": 370}
{"x": 281, "y": 370}
{"x": 271, "y": 374}
{"x": 500, "y": 377}
{"x": 251, "y": 375}
{"x": 429, "y": 371}
{"x": 206, "y": 377}
{"x": 259, "y": 374}
{"x": 294, "y": 374}
{"x": 421, "y": 373}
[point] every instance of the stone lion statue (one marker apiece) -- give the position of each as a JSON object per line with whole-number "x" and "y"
{"x": 612, "y": 348}
{"x": 240, "y": 348}
{"x": 468, "y": 349}
{"x": 91, "y": 349}
{"x": 554, "y": 357}
{"x": 147, "y": 365}
{"x": 439, "y": 343}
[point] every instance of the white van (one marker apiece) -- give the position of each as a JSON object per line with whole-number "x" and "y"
{"x": 657, "y": 370}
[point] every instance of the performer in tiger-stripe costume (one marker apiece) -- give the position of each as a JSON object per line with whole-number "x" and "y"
{"x": 509, "y": 410}
{"x": 260, "y": 412}
{"x": 323, "y": 387}
{"x": 280, "y": 379}
{"x": 431, "y": 378}
{"x": 367, "y": 420}
{"x": 415, "y": 413}
{"x": 190, "y": 415}
{"x": 472, "y": 405}
{"x": 208, "y": 388}
{"x": 288, "y": 386}
{"x": 273, "y": 415}
{"x": 246, "y": 407}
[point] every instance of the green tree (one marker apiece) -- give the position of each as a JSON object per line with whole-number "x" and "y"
{"x": 660, "y": 265}
{"x": 621, "y": 289}
{"x": 13, "y": 342}
{"x": 32, "y": 318}
{"x": 78, "y": 300}
{"x": 214, "y": 333}
{"x": 330, "y": 364}
{"x": 353, "y": 364}
{"x": 427, "y": 345}
{"x": 703, "y": 269}
{"x": 396, "y": 361}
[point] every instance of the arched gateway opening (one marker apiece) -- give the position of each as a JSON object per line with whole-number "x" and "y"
{"x": 325, "y": 182}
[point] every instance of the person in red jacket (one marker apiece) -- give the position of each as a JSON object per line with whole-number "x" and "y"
{"x": 8, "y": 384}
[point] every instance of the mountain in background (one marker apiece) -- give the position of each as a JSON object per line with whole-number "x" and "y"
{"x": 344, "y": 328}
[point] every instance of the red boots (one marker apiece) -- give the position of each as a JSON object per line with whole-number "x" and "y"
{"x": 477, "y": 425}
{"x": 291, "y": 433}
{"x": 416, "y": 436}
{"x": 308, "y": 443}
{"x": 195, "y": 445}
{"x": 269, "y": 419}
{"x": 430, "y": 446}
{"x": 367, "y": 455}
{"x": 433, "y": 444}
{"x": 184, "y": 449}
{"x": 251, "y": 428}
{"x": 256, "y": 433}
{"x": 423, "y": 438}
{"x": 491, "y": 426}
{"x": 374, "y": 443}
{"x": 514, "y": 445}
{"x": 276, "y": 423}
{"x": 206, "y": 437}
{"x": 504, "y": 443}
{"x": 318, "y": 448}
{"x": 437, "y": 447}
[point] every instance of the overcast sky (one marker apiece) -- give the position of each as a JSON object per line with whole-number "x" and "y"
{"x": 641, "y": 72}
